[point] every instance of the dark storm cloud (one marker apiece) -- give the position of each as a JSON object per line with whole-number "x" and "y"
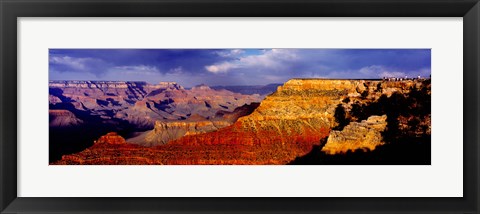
{"x": 235, "y": 66}
{"x": 99, "y": 61}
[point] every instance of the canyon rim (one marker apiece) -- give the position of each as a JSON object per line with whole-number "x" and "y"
{"x": 239, "y": 106}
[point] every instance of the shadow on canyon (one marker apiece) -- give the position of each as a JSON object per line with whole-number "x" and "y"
{"x": 406, "y": 139}
{"x": 404, "y": 151}
{"x": 82, "y": 136}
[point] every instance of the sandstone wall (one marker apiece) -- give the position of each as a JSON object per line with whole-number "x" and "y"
{"x": 365, "y": 135}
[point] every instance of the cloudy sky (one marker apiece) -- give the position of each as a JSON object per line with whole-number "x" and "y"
{"x": 191, "y": 67}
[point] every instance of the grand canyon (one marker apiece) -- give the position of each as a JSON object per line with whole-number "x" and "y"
{"x": 299, "y": 121}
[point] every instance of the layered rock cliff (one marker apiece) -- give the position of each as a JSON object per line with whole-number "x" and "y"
{"x": 111, "y": 138}
{"x": 110, "y": 149}
{"x": 166, "y": 131}
{"x": 63, "y": 118}
{"x": 142, "y": 104}
{"x": 168, "y": 105}
{"x": 287, "y": 124}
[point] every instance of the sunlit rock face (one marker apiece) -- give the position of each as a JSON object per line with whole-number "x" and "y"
{"x": 111, "y": 138}
{"x": 166, "y": 131}
{"x": 364, "y": 135}
{"x": 286, "y": 125}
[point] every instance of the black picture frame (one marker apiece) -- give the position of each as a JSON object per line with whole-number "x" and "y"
{"x": 10, "y": 10}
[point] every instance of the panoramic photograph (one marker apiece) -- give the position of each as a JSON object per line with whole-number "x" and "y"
{"x": 239, "y": 106}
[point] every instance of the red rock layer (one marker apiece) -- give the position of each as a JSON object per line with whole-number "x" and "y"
{"x": 286, "y": 125}
{"x": 111, "y": 150}
{"x": 111, "y": 138}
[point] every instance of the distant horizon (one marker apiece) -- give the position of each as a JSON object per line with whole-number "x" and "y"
{"x": 275, "y": 83}
{"x": 235, "y": 67}
{"x": 157, "y": 82}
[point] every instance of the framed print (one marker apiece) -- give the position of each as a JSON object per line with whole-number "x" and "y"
{"x": 227, "y": 106}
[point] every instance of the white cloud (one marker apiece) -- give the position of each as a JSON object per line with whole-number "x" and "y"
{"x": 392, "y": 74}
{"x": 425, "y": 72}
{"x": 222, "y": 67}
{"x": 377, "y": 71}
{"x": 80, "y": 64}
{"x": 176, "y": 70}
{"x": 237, "y": 51}
{"x": 230, "y": 53}
{"x": 136, "y": 69}
{"x": 270, "y": 59}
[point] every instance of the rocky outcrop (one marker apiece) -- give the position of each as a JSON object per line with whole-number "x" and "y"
{"x": 63, "y": 118}
{"x": 233, "y": 116}
{"x": 415, "y": 126}
{"x": 100, "y": 90}
{"x": 169, "y": 105}
{"x": 110, "y": 149}
{"x": 111, "y": 138}
{"x": 364, "y": 135}
{"x": 165, "y": 132}
{"x": 53, "y": 99}
{"x": 164, "y": 85}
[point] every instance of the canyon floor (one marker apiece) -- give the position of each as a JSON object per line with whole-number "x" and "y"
{"x": 302, "y": 121}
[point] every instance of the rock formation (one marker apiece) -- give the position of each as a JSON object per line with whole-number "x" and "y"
{"x": 111, "y": 138}
{"x": 141, "y": 104}
{"x": 110, "y": 149}
{"x": 165, "y": 132}
{"x": 88, "y": 109}
{"x": 63, "y": 118}
{"x": 365, "y": 135}
{"x": 286, "y": 124}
